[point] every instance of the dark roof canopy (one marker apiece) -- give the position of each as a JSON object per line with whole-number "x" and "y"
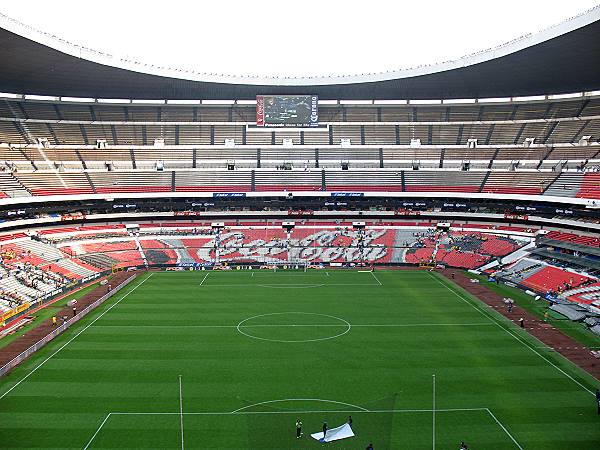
{"x": 569, "y": 62}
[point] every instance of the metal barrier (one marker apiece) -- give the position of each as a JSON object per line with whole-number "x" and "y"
{"x": 39, "y": 344}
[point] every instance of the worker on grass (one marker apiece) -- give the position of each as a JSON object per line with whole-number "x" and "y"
{"x": 53, "y": 321}
{"x": 598, "y": 400}
{"x": 324, "y": 430}
{"x": 298, "y": 429}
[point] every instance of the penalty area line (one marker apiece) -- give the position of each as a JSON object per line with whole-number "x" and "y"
{"x": 204, "y": 279}
{"x": 376, "y": 279}
{"x": 504, "y": 429}
{"x": 97, "y": 431}
{"x": 181, "y": 413}
{"x": 300, "y": 411}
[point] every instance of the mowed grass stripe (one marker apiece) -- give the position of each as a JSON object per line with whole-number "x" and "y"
{"x": 136, "y": 369}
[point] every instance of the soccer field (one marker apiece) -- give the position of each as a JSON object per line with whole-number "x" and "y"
{"x": 230, "y": 360}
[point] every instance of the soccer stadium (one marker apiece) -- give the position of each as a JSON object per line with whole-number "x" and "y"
{"x": 399, "y": 260}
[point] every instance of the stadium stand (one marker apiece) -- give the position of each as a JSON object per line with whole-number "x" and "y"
{"x": 554, "y": 279}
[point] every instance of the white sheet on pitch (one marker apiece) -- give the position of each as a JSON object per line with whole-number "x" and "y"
{"x": 335, "y": 434}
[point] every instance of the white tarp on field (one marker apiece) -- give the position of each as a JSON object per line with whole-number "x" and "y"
{"x": 334, "y": 434}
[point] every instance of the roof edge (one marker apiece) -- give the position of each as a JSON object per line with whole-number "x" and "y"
{"x": 579, "y": 21}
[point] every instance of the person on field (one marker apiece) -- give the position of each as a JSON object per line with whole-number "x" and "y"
{"x": 53, "y": 321}
{"x": 324, "y": 429}
{"x": 74, "y": 311}
{"x": 350, "y": 421}
{"x": 298, "y": 429}
{"x": 522, "y": 322}
{"x": 463, "y": 446}
{"x": 369, "y": 447}
{"x": 598, "y": 400}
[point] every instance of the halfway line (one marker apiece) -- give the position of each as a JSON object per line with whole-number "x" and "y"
{"x": 305, "y": 325}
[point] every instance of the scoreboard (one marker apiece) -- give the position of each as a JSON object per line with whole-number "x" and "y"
{"x": 287, "y": 111}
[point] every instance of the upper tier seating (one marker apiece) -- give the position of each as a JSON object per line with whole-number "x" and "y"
{"x": 567, "y": 184}
{"x": 11, "y": 187}
{"x": 590, "y": 186}
{"x": 525, "y": 183}
{"x": 136, "y": 124}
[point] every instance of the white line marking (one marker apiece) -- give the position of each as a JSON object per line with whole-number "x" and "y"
{"x": 327, "y": 273}
{"x": 367, "y": 325}
{"x": 204, "y": 279}
{"x": 376, "y": 279}
{"x": 299, "y": 400}
{"x": 433, "y": 414}
{"x": 290, "y": 286}
{"x": 245, "y": 285}
{"x": 346, "y": 323}
{"x": 307, "y": 411}
{"x": 73, "y": 338}
{"x": 526, "y": 344}
{"x": 504, "y": 428}
{"x": 181, "y": 412}
{"x": 97, "y": 431}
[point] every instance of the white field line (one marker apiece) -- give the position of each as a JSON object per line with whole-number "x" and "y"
{"x": 310, "y": 411}
{"x": 289, "y": 275}
{"x": 97, "y": 431}
{"x": 300, "y": 400}
{"x": 73, "y": 338}
{"x": 504, "y": 428}
{"x": 433, "y": 415}
{"x": 304, "y": 325}
{"x": 204, "y": 279}
{"x": 294, "y": 412}
{"x": 181, "y": 413}
{"x": 514, "y": 336}
{"x": 376, "y": 279}
{"x": 244, "y": 285}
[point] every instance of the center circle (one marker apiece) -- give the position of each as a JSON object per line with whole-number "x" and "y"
{"x": 293, "y": 327}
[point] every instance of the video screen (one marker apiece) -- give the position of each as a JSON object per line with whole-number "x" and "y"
{"x": 287, "y": 111}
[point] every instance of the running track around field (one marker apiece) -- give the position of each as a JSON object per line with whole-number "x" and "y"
{"x": 552, "y": 337}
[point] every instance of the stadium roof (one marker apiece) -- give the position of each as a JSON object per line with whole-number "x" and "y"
{"x": 561, "y": 59}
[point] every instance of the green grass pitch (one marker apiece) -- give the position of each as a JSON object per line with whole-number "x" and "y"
{"x": 230, "y": 360}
